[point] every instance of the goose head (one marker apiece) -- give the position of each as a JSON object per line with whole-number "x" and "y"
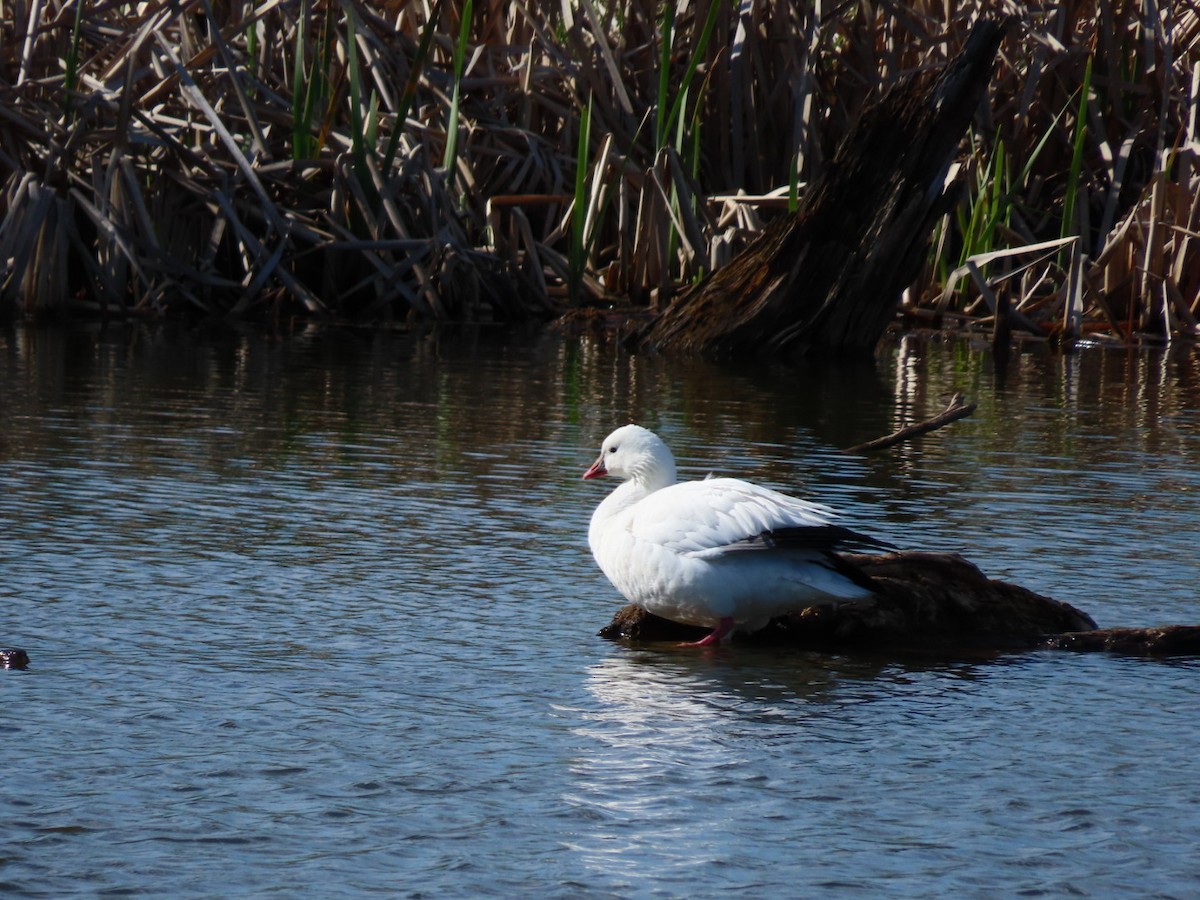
{"x": 634, "y": 453}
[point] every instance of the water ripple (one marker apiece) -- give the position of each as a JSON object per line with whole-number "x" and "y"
{"x": 316, "y": 620}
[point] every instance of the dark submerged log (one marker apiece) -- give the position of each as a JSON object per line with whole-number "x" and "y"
{"x": 930, "y": 603}
{"x": 1166, "y": 640}
{"x": 926, "y": 602}
{"x": 830, "y": 277}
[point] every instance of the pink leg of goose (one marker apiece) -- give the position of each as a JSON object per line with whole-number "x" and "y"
{"x": 723, "y": 630}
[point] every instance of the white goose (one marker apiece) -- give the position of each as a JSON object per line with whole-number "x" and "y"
{"x": 721, "y": 553}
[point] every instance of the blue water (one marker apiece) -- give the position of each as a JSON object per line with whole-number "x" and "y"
{"x": 317, "y": 615}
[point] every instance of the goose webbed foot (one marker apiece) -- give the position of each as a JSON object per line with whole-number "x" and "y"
{"x": 723, "y": 630}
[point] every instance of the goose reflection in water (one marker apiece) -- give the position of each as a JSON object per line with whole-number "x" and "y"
{"x": 670, "y": 725}
{"x": 788, "y": 745}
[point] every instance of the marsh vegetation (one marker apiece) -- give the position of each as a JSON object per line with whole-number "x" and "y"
{"x": 447, "y": 161}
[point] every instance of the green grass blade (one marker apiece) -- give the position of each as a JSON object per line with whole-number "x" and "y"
{"x": 304, "y": 90}
{"x": 1069, "y": 225}
{"x": 666, "y": 30}
{"x": 450, "y": 159}
{"x": 410, "y": 87}
{"x": 252, "y": 49}
{"x": 689, "y": 72}
{"x": 357, "y": 142}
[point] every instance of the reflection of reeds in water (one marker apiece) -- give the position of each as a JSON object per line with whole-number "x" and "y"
{"x": 447, "y": 160}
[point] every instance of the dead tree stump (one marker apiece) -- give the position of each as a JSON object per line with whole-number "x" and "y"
{"x": 831, "y": 276}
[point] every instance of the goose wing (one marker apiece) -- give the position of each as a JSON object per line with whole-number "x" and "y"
{"x": 727, "y": 515}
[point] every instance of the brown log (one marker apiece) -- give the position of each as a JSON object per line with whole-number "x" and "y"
{"x": 1166, "y": 640}
{"x": 830, "y": 277}
{"x": 932, "y": 603}
{"x": 957, "y": 409}
{"x": 927, "y": 602}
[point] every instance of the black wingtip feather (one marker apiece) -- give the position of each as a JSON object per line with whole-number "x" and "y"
{"x": 824, "y": 538}
{"x": 848, "y": 570}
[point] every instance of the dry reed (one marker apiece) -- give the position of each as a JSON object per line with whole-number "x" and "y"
{"x": 434, "y": 160}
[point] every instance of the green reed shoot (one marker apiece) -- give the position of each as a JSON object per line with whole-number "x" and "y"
{"x": 410, "y": 86}
{"x": 670, "y": 122}
{"x": 251, "y": 33}
{"x": 666, "y": 30}
{"x": 666, "y": 118}
{"x": 989, "y": 206}
{"x": 303, "y": 92}
{"x": 357, "y": 135}
{"x": 1069, "y": 225}
{"x": 450, "y": 159}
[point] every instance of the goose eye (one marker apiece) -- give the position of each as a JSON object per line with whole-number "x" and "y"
{"x": 612, "y": 449}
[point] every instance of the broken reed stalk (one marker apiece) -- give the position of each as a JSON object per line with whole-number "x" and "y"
{"x": 958, "y": 409}
{"x": 354, "y": 159}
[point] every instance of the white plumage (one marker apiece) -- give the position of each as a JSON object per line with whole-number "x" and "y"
{"x": 721, "y": 553}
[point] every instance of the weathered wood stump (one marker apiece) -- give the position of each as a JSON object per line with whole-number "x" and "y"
{"x": 930, "y": 603}
{"x": 831, "y": 276}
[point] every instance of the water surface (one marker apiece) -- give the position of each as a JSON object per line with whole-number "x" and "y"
{"x": 317, "y": 614}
